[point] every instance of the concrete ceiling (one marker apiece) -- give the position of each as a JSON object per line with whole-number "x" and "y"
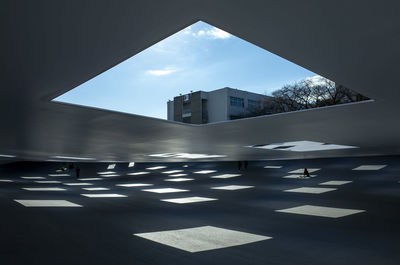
{"x": 50, "y": 47}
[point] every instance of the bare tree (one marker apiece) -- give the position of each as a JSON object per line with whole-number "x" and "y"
{"x": 306, "y": 94}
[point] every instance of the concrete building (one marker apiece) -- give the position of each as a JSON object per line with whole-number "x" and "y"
{"x": 218, "y": 105}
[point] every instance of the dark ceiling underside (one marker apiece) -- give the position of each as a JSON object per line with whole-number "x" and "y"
{"x": 50, "y": 47}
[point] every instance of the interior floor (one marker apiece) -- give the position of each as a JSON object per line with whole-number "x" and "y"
{"x": 346, "y": 212}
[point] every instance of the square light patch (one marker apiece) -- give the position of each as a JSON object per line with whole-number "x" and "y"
{"x": 104, "y": 195}
{"x": 232, "y": 187}
{"x": 172, "y": 171}
{"x": 33, "y": 178}
{"x": 138, "y": 173}
{"x": 89, "y": 179}
{"x": 155, "y": 168}
{"x": 131, "y": 164}
{"x": 311, "y": 190}
{"x": 226, "y": 176}
{"x": 96, "y": 188}
{"x": 336, "y": 182}
{"x": 178, "y": 175}
{"x": 178, "y": 179}
{"x": 47, "y": 181}
{"x": 106, "y": 172}
{"x": 321, "y": 211}
{"x": 78, "y": 184}
{"x": 370, "y": 167}
{"x": 44, "y": 189}
{"x": 165, "y": 190}
{"x": 298, "y": 177}
{"x": 205, "y": 172}
{"x": 59, "y": 175}
{"x": 302, "y": 146}
{"x": 134, "y": 185}
{"x": 110, "y": 175}
{"x": 189, "y": 200}
{"x": 202, "y": 238}
{"x": 301, "y": 170}
{"x": 47, "y": 203}
{"x": 111, "y": 166}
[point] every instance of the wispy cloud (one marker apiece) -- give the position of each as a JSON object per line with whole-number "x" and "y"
{"x": 161, "y": 72}
{"x": 214, "y": 33}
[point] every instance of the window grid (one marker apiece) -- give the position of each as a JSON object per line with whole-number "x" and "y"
{"x": 237, "y": 102}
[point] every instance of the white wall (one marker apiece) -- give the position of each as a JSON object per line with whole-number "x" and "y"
{"x": 218, "y": 105}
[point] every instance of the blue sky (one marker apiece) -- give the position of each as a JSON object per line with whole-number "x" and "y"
{"x": 199, "y": 57}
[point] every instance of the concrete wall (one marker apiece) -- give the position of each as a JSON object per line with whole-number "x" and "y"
{"x": 195, "y": 106}
{"x": 217, "y": 105}
{"x": 170, "y": 110}
{"x": 178, "y": 102}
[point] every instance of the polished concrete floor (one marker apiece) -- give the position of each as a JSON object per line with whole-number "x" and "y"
{"x": 202, "y": 213}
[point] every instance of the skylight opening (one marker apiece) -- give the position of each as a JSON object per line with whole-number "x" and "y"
{"x": 195, "y": 65}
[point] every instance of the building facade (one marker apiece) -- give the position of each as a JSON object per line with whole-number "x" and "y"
{"x": 219, "y": 105}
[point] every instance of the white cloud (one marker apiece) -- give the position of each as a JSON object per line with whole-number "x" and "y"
{"x": 218, "y": 33}
{"x": 187, "y": 30}
{"x": 165, "y": 71}
{"x": 214, "y": 33}
{"x": 317, "y": 80}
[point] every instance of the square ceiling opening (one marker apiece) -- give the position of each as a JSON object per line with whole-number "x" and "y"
{"x": 203, "y": 74}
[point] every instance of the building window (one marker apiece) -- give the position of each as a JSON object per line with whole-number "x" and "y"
{"x": 186, "y": 111}
{"x": 252, "y": 104}
{"x": 237, "y": 102}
